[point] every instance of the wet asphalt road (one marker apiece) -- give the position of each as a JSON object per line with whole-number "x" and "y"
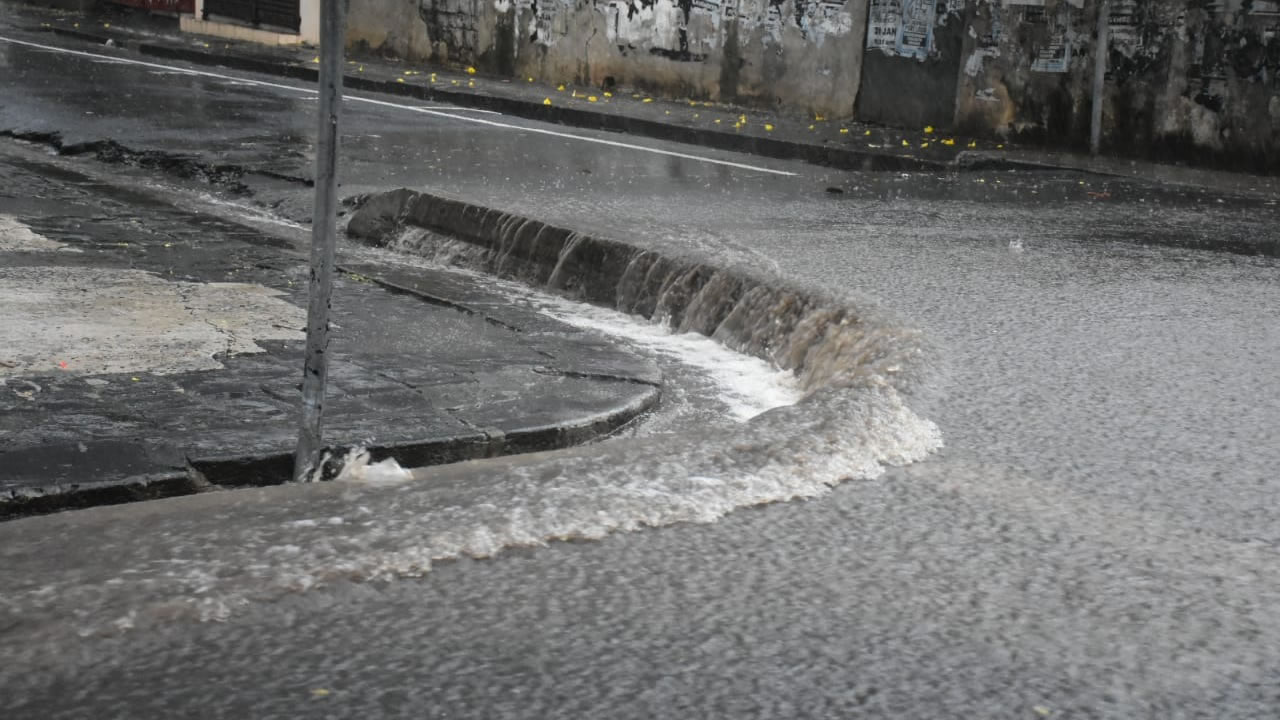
{"x": 1099, "y": 538}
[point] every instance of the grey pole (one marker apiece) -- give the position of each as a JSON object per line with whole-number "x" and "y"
{"x": 1100, "y": 75}
{"x": 323, "y": 232}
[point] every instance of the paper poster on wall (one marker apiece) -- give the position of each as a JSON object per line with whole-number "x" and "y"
{"x": 883, "y": 19}
{"x": 1054, "y": 57}
{"x": 915, "y": 31}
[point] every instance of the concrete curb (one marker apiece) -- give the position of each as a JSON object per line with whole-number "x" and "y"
{"x": 808, "y": 331}
{"x": 263, "y": 469}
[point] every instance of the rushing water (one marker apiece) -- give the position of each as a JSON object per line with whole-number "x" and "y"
{"x": 850, "y": 373}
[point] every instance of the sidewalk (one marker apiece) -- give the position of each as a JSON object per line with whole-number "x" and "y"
{"x": 151, "y": 351}
{"x": 780, "y": 134}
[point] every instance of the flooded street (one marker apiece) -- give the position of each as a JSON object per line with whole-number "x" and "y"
{"x": 1072, "y": 511}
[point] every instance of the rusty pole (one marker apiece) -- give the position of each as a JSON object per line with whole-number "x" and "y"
{"x": 1100, "y": 75}
{"x": 323, "y": 240}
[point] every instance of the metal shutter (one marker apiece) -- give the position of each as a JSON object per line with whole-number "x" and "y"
{"x": 277, "y": 13}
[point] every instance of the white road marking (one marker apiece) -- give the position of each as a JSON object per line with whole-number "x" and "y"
{"x": 399, "y": 106}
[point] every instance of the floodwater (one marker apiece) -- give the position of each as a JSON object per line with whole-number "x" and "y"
{"x": 1097, "y": 538}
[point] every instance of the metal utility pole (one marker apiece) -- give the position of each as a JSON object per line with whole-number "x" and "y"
{"x": 323, "y": 239}
{"x": 1100, "y": 74}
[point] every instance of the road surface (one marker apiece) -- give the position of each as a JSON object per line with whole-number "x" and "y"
{"x": 1098, "y": 538}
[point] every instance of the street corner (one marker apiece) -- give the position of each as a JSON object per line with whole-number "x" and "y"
{"x": 130, "y": 370}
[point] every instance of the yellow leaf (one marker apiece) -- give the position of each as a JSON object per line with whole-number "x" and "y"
{"x": 608, "y": 94}
{"x": 400, "y": 80}
{"x": 591, "y": 98}
{"x": 810, "y": 127}
{"x": 906, "y": 144}
{"x": 315, "y": 59}
{"x": 768, "y": 127}
{"x": 973, "y": 144}
{"x": 844, "y": 131}
{"x": 319, "y": 692}
{"x": 547, "y": 101}
{"x": 560, "y": 88}
{"x": 928, "y": 130}
{"x": 471, "y": 71}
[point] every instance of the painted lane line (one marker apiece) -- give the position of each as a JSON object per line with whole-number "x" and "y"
{"x": 399, "y": 106}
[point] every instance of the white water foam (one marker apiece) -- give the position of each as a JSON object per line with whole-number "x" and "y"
{"x": 356, "y": 468}
{"x": 746, "y": 384}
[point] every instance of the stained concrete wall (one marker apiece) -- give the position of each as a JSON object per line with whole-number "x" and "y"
{"x": 799, "y": 53}
{"x": 911, "y": 83}
{"x": 1188, "y": 80}
{"x": 390, "y": 26}
{"x": 1192, "y": 80}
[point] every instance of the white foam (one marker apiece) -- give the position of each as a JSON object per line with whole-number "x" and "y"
{"x": 746, "y": 384}
{"x": 357, "y": 468}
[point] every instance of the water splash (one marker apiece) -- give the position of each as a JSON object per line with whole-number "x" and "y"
{"x": 857, "y": 366}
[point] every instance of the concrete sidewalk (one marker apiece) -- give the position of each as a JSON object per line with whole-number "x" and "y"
{"x": 153, "y": 351}
{"x": 777, "y": 134}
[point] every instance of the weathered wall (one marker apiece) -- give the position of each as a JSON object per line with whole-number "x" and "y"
{"x": 1192, "y": 80}
{"x": 391, "y": 26}
{"x": 801, "y": 53}
{"x": 912, "y": 60}
{"x": 1027, "y": 70}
